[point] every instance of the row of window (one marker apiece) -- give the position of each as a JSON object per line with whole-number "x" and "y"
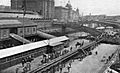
{"x": 27, "y": 30}
{"x": 4, "y": 33}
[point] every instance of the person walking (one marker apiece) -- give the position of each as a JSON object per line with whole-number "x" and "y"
{"x": 70, "y": 48}
{"x": 23, "y": 62}
{"x": 60, "y": 69}
{"x": 68, "y": 68}
{"x": 96, "y": 52}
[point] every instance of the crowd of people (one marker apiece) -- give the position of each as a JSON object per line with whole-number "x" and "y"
{"x": 54, "y": 55}
{"x": 26, "y": 61}
{"x": 26, "y": 64}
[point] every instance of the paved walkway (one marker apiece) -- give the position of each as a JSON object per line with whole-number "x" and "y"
{"x": 37, "y": 61}
{"x": 92, "y": 63}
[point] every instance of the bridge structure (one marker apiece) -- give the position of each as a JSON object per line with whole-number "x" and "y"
{"x": 113, "y": 60}
{"x": 80, "y": 27}
{"x": 102, "y": 23}
{"x": 46, "y": 68}
{"x": 86, "y": 50}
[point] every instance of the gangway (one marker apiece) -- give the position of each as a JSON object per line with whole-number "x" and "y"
{"x": 62, "y": 58}
{"x": 19, "y": 38}
{"x": 45, "y": 35}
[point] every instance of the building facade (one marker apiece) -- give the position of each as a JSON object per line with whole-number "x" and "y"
{"x": 43, "y": 7}
{"x": 8, "y": 26}
{"x": 66, "y": 14}
{"x": 61, "y": 13}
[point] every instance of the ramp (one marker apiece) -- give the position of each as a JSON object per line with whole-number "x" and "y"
{"x": 45, "y": 35}
{"x": 19, "y": 38}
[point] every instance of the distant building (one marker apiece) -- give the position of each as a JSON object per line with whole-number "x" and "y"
{"x": 2, "y": 7}
{"x": 43, "y": 7}
{"x": 94, "y": 17}
{"x": 66, "y": 14}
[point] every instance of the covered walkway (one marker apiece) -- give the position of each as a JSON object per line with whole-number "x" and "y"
{"x": 19, "y": 38}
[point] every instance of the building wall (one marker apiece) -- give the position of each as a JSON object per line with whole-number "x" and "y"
{"x": 43, "y": 7}
{"x": 27, "y": 31}
{"x": 43, "y": 24}
{"x": 58, "y": 13}
{"x": 4, "y": 33}
{"x": 65, "y": 14}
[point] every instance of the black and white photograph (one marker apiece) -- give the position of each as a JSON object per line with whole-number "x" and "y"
{"x": 59, "y": 36}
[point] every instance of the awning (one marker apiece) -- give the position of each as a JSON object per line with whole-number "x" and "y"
{"x": 55, "y": 44}
{"x": 58, "y": 39}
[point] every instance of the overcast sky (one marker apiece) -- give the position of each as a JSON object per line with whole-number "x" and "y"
{"x": 109, "y": 7}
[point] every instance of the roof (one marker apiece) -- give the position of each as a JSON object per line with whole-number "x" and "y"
{"x": 7, "y": 23}
{"x": 15, "y": 15}
{"x": 22, "y": 48}
{"x": 21, "y": 39}
{"x": 100, "y": 28}
{"x": 55, "y": 44}
{"x": 58, "y": 39}
{"x": 3, "y": 22}
{"x": 27, "y": 47}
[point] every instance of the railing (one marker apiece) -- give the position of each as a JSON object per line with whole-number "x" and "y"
{"x": 109, "y": 63}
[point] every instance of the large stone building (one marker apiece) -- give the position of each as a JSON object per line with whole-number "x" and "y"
{"x": 66, "y": 14}
{"x": 61, "y": 13}
{"x": 43, "y": 7}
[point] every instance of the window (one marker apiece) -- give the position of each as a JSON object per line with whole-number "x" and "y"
{"x": 34, "y": 29}
{"x": 27, "y": 29}
{"x": 21, "y": 31}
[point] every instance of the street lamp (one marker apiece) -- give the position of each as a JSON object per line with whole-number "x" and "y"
{"x": 24, "y": 11}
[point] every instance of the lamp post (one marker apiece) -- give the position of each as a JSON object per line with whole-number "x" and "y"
{"x": 24, "y": 12}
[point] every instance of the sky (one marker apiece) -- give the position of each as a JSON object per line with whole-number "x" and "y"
{"x": 95, "y": 7}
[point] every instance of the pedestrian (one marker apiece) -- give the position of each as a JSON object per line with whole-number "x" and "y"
{"x": 23, "y": 62}
{"x": 28, "y": 66}
{"x": 68, "y": 67}
{"x": 17, "y": 69}
{"x": 60, "y": 69}
{"x": 70, "y": 64}
{"x": 70, "y": 48}
{"x": 96, "y": 52}
{"x": 82, "y": 43}
{"x": 109, "y": 57}
{"x": 24, "y": 70}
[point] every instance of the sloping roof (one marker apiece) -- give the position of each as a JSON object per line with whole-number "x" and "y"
{"x": 15, "y": 15}
{"x": 4, "y": 22}
{"x": 21, "y": 39}
{"x": 22, "y": 48}
{"x": 58, "y": 39}
{"x": 27, "y": 47}
{"x": 55, "y": 44}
